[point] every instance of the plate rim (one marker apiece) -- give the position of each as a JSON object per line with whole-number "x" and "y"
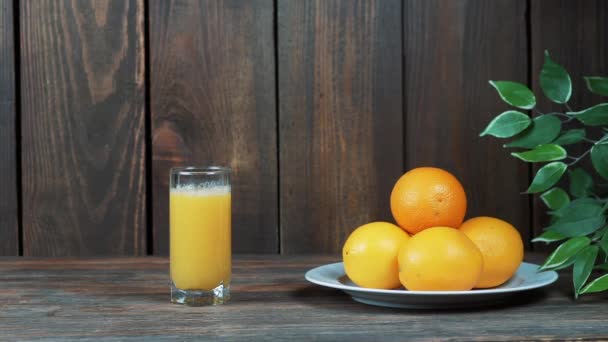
{"x": 553, "y": 276}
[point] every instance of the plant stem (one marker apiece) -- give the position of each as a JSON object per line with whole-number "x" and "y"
{"x": 577, "y": 159}
{"x": 604, "y": 138}
{"x": 596, "y": 196}
{"x": 559, "y": 114}
{"x": 568, "y": 107}
{"x": 562, "y": 115}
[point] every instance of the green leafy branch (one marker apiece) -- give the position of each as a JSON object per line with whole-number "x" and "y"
{"x": 578, "y": 213}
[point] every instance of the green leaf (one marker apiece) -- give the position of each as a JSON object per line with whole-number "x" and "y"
{"x": 571, "y": 136}
{"x": 542, "y": 153}
{"x": 598, "y": 234}
{"x": 581, "y": 183}
{"x": 583, "y": 265}
{"x": 549, "y": 236}
{"x": 604, "y": 242}
{"x": 594, "y": 116}
{"x": 577, "y": 226}
{"x": 507, "y": 124}
{"x": 547, "y": 176}
{"x": 567, "y": 264}
{"x": 515, "y": 94}
{"x": 542, "y": 130}
{"x": 574, "y": 205}
{"x": 564, "y": 252}
{"x": 599, "y": 159}
{"x": 579, "y": 218}
{"x": 597, "y": 285}
{"x": 555, "y": 198}
{"x": 555, "y": 81}
{"x": 598, "y": 85}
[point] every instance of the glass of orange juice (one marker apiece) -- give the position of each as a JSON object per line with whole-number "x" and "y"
{"x": 200, "y": 235}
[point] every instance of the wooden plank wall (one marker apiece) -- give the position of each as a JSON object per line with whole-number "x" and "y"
{"x": 318, "y": 106}
{"x": 82, "y": 127}
{"x": 213, "y": 103}
{"x": 448, "y": 99}
{"x": 340, "y": 117}
{"x": 9, "y": 225}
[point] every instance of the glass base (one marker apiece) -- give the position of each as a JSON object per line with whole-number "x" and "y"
{"x": 219, "y": 295}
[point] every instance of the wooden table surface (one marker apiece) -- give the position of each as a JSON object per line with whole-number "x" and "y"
{"x": 128, "y": 298}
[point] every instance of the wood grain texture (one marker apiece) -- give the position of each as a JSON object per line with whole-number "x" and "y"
{"x": 9, "y": 225}
{"x": 340, "y": 118}
{"x": 213, "y": 103}
{"x": 575, "y": 34}
{"x": 128, "y": 299}
{"x": 451, "y": 50}
{"x": 83, "y": 152}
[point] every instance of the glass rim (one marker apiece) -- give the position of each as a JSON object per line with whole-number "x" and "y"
{"x": 201, "y": 170}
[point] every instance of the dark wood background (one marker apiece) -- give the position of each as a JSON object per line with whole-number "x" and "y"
{"x": 318, "y": 106}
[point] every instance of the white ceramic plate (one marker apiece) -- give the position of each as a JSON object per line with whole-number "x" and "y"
{"x": 526, "y": 278}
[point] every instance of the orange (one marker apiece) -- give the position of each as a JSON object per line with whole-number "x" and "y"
{"x": 428, "y": 197}
{"x": 439, "y": 259}
{"x": 370, "y": 255}
{"x": 501, "y": 246}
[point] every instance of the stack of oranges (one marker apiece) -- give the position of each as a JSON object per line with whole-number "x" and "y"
{"x": 430, "y": 248}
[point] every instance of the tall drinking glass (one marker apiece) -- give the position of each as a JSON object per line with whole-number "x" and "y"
{"x": 200, "y": 251}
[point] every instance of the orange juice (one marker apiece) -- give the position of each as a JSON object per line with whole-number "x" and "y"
{"x": 200, "y": 237}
